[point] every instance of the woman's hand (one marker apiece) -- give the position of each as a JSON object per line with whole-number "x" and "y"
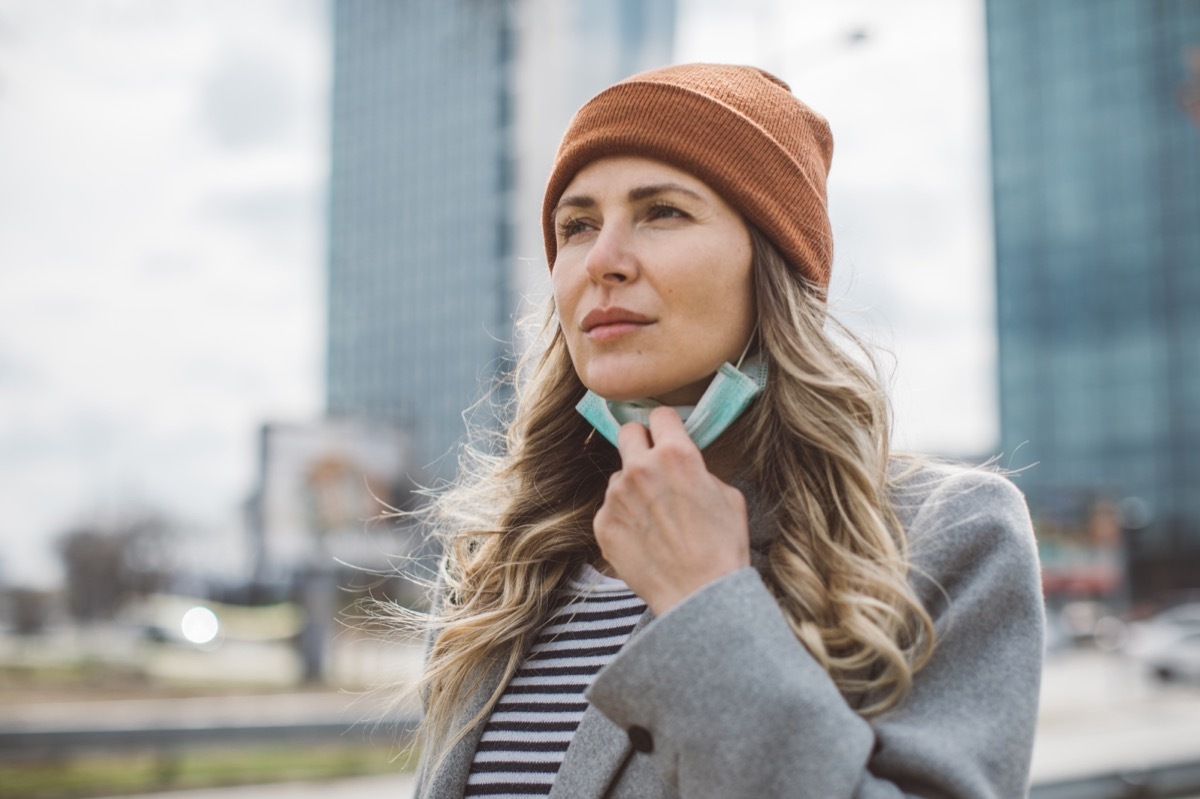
{"x": 667, "y": 526}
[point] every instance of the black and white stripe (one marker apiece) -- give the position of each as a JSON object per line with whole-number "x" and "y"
{"x": 530, "y": 728}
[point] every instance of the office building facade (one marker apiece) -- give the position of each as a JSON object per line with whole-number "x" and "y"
{"x": 445, "y": 115}
{"x": 1096, "y": 192}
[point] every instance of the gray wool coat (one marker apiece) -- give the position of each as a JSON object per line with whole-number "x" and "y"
{"x": 718, "y": 700}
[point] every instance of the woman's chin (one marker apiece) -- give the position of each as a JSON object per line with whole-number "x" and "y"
{"x": 624, "y": 385}
{"x": 619, "y": 395}
{"x": 622, "y": 390}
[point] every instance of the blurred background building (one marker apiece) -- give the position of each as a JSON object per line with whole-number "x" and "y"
{"x": 1095, "y": 130}
{"x": 446, "y": 114}
{"x": 323, "y": 493}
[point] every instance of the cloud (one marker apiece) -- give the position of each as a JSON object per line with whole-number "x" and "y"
{"x": 278, "y": 218}
{"x": 248, "y": 101}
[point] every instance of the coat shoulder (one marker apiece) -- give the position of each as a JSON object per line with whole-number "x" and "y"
{"x": 953, "y": 515}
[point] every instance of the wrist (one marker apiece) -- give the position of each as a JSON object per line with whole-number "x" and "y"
{"x": 666, "y": 598}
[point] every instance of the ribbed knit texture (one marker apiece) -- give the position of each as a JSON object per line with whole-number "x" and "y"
{"x": 527, "y": 735}
{"x": 739, "y": 129}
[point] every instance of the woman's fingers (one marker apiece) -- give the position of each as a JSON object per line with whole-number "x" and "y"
{"x": 666, "y": 432}
{"x": 632, "y": 439}
{"x": 671, "y": 438}
{"x": 665, "y": 422}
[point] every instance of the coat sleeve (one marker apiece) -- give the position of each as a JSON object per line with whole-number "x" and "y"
{"x": 732, "y": 705}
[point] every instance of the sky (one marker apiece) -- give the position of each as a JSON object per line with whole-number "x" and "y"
{"x": 162, "y": 173}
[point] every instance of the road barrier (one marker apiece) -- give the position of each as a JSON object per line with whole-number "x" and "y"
{"x": 1161, "y": 782}
{"x": 35, "y": 743}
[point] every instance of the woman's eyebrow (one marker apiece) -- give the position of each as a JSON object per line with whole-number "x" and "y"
{"x": 574, "y": 201}
{"x": 635, "y": 194}
{"x": 642, "y": 192}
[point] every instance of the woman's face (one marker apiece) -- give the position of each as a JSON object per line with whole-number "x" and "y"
{"x": 652, "y": 280}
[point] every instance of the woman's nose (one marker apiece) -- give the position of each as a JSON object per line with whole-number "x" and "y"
{"x": 611, "y": 258}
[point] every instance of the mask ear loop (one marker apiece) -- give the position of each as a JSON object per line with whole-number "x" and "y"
{"x": 746, "y": 349}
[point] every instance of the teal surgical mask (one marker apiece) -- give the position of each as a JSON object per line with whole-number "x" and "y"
{"x": 727, "y": 396}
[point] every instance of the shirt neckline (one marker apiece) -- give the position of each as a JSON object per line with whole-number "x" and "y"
{"x": 589, "y": 579}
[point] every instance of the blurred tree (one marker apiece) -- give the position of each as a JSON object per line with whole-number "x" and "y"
{"x": 27, "y": 610}
{"x": 106, "y": 564}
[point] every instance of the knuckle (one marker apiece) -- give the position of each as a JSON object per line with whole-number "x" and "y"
{"x": 676, "y": 451}
{"x": 736, "y": 498}
{"x": 639, "y": 469}
{"x": 600, "y": 524}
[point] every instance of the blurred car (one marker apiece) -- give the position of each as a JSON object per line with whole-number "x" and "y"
{"x": 1168, "y": 645}
{"x": 1177, "y": 661}
{"x": 1085, "y": 623}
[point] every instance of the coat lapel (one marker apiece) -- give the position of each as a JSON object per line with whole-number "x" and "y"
{"x": 597, "y": 752}
{"x": 450, "y": 780}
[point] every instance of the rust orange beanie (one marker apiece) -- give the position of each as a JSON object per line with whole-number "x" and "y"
{"x": 739, "y": 129}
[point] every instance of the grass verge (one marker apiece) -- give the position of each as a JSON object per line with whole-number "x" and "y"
{"x": 142, "y": 772}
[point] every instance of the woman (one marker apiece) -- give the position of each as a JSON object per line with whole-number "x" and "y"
{"x": 758, "y": 601}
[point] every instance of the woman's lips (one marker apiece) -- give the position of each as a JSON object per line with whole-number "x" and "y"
{"x": 606, "y": 324}
{"x": 614, "y": 330}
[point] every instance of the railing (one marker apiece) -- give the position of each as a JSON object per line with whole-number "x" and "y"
{"x": 1161, "y": 782}
{"x": 17, "y": 743}
{"x": 32, "y": 743}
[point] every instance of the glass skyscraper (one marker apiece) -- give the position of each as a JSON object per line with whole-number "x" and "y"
{"x": 445, "y": 116}
{"x": 1096, "y": 190}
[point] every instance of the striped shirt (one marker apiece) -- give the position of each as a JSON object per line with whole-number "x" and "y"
{"x": 531, "y": 726}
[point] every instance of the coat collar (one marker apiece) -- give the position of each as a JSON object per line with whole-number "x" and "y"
{"x": 598, "y": 749}
{"x": 449, "y": 781}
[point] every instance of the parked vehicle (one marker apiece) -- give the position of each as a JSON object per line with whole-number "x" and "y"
{"x": 1168, "y": 645}
{"x": 1178, "y": 661}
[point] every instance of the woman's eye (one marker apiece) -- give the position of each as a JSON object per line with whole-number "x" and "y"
{"x": 659, "y": 211}
{"x": 569, "y": 227}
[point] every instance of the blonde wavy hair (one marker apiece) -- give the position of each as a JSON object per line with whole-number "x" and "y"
{"x": 517, "y": 525}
